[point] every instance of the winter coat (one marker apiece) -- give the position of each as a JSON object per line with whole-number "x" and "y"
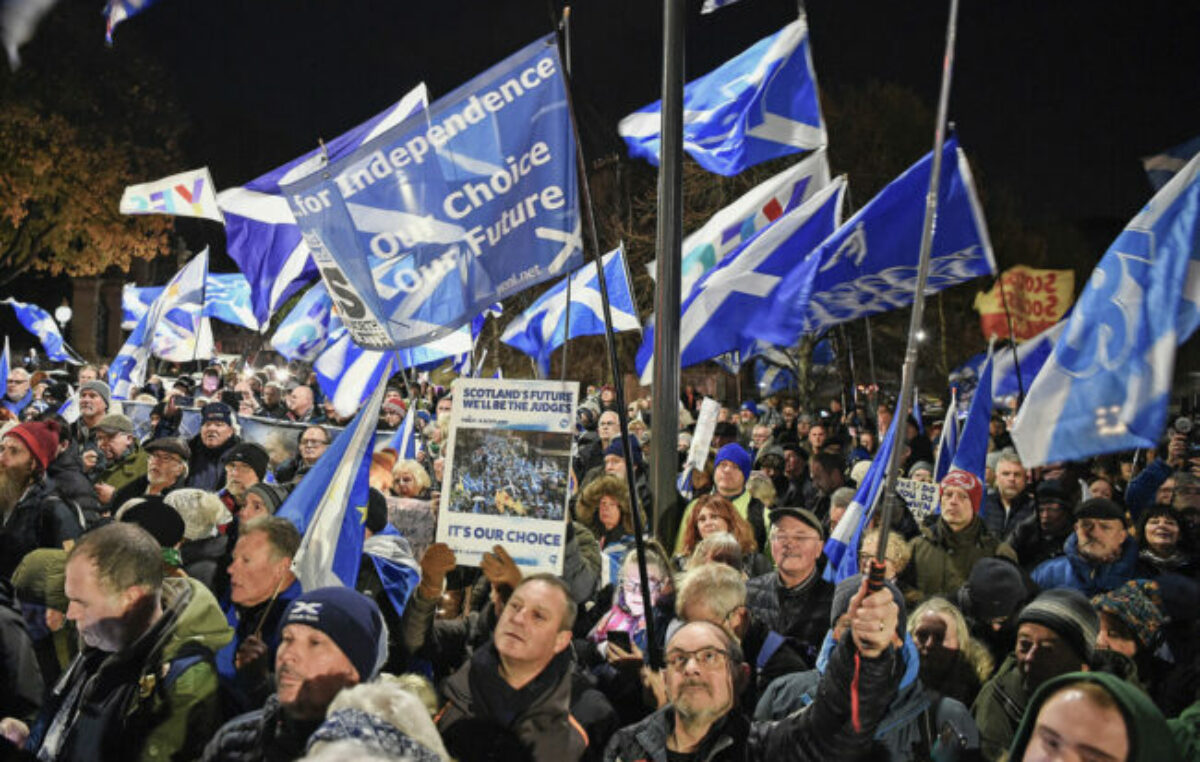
{"x": 126, "y": 469}
{"x": 1033, "y": 546}
{"x": 999, "y": 523}
{"x": 822, "y": 731}
{"x": 942, "y": 559}
{"x": 205, "y": 469}
{"x": 21, "y": 685}
{"x": 998, "y": 709}
{"x": 66, "y": 479}
{"x": 201, "y": 559}
{"x": 548, "y": 721}
{"x": 1143, "y": 487}
{"x": 1150, "y": 737}
{"x": 246, "y": 688}
{"x": 910, "y": 727}
{"x": 800, "y": 613}
{"x": 264, "y": 735}
{"x": 156, "y": 699}
{"x": 1076, "y": 572}
{"x": 38, "y": 520}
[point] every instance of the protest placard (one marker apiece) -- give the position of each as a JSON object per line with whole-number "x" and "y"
{"x": 506, "y": 471}
{"x": 415, "y": 520}
{"x": 920, "y": 497}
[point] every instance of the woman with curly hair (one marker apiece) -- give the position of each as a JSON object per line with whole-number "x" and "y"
{"x": 713, "y": 514}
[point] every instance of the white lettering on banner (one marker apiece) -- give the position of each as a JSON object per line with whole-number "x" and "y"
{"x": 472, "y": 196}
{"x": 380, "y": 165}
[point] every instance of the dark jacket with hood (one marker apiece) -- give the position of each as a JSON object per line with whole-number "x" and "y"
{"x": 40, "y": 519}
{"x": 66, "y": 479}
{"x": 822, "y": 731}
{"x": 1150, "y": 736}
{"x": 154, "y": 700}
{"x": 912, "y": 724}
{"x": 205, "y": 470}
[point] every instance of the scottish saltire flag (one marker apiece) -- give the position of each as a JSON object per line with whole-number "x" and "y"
{"x": 869, "y": 265}
{"x": 1031, "y": 356}
{"x": 117, "y": 11}
{"x": 179, "y": 305}
{"x": 41, "y": 324}
{"x": 759, "y": 105}
{"x": 135, "y": 302}
{"x": 715, "y": 5}
{"x": 182, "y": 333}
{"x": 260, "y": 231}
{"x": 540, "y": 329}
{"x": 771, "y": 378}
{"x": 723, "y": 312}
{"x": 69, "y": 410}
{"x": 842, "y": 546}
{"x": 948, "y": 443}
{"x": 419, "y": 230}
{"x": 1161, "y": 167}
{"x": 329, "y": 506}
{"x": 740, "y": 221}
{"x": 302, "y": 334}
{"x": 187, "y": 194}
{"x": 1106, "y": 384}
{"x": 405, "y": 439}
{"x": 227, "y": 298}
{"x": 971, "y": 453}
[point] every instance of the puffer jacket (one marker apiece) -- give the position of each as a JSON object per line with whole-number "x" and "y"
{"x": 800, "y": 613}
{"x": 821, "y": 731}
{"x": 1076, "y": 572}
{"x": 154, "y": 700}
{"x": 264, "y": 735}
{"x": 942, "y": 559}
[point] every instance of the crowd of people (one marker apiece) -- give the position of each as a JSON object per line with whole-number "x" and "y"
{"x": 149, "y": 608}
{"x": 500, "y": 474}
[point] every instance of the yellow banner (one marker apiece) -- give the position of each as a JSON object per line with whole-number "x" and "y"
{"x": 1037, "y": 299}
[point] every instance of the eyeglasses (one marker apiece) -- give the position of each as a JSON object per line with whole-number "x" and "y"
{"x": 708, "y": 658}
{"x": 313, "y": 443}
{"x": 784, "y": 539}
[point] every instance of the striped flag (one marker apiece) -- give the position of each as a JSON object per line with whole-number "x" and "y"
{"x": 842, "y": 546}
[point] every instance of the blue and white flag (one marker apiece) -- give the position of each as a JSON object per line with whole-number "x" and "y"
{"x": 1031, "y": 356}
{"x": 759, "y": 105}
{"x": 227, "y": 298}
{"x": 715, "y": 5}
{"x": 539, "y": 330}
{"x": 69, "y": 410}
{"x": 172, "y": 324}
{"x": 916, "y": 411}
{"x": 723, "y": 313}
{"x": 1106, "y": 385}
{"x": 869, "y": 265}
{"x": 135, "y": 302}
{"x": 754, "y": 210}
{"x": 303, "y": 333}
{"x": 843, "y": 544}
{"x": 948, "y": 443}
{"x": 405, "y": 440}
{"x": 117, "y": 11}
{"x": 1161, "y": 167}
{"x": 41, "y": 324}
{"x": 971, "y": 453}
{"x": 260, "y": 231}
{"x": 5, "y": 365}
{"x": 420, "y": 229}
{"x": 329, "y": 506}
{"x": 772, "y": 379}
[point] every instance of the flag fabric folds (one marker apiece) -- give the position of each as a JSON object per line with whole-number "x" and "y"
{"x": 187, "y": 194}
{"x": 759, "y": 105}
{"x": 1161, "y": 167}
{"x": 841, "y": 549}
{"x": 260, "y": 231}
{"x": 715, "y": 5}
{"x": 5, "y": 365}
{"x": 869, "y": 265}
{"x": 1029, "y": 299}
{"x": 474, "y": 200}
{"x": 723, "y": 312}
{"x": 329, "y": 506}
{"x": 948, "y": 443}
{"x": 173, "y": 324}
{"x": 302, "y": 334}
{"x": 1106, "y": 384}
{"x": 754, "y": 210}
{"x": 117, "y": 11}
{"x": 540, "y": 329}
{"x": 41, "y": 324}
{"x": 405, "y": 440}
{"x": 226, "y": 298}
{"x": 971, "y": 453}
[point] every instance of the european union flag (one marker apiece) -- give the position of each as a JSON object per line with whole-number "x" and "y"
{"x": 260, "y": 231}
{"x": 329, "y": 506}
{"x": 869, "y": 265}
{"x": 539, "y": 330}
{"x": 759, "y": 105}
{"x": 723, "y": 313}
{"x": 1161, "y": 167}
{"x": 1106, "y": 384}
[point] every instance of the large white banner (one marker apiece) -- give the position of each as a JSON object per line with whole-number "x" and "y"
{"x": 506, "y": 471}
{"x": 187, "y": 194}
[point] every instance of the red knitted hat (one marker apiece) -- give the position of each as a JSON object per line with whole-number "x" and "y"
{"x": 41, "y": 439}
{"x": 968, "y": 481}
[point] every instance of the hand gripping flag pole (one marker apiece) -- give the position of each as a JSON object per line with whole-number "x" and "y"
{"x": 907, "y": 380}
{"x": 653, "y": 654}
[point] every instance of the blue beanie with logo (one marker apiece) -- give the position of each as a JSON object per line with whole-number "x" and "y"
{"x": 350, "y": 619}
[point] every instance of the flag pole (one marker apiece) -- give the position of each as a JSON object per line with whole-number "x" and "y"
{"x": 1012, "y": 342}
{"x": 564, "y": 26}
{"x": 907, "y": 378}
{"x": 653, "y": 654}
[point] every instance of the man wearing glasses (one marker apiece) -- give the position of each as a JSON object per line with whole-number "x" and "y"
{"x": 704, "y": 675}
{"x": 18, "y": 395}
{"x": 314, "y": 441}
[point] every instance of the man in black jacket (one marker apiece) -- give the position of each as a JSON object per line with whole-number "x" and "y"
{"x": 205, "y": 468}
{"x": 702, "y": 679}
{"x": 30, "y": 515}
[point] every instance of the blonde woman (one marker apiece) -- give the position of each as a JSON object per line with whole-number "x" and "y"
{"x": 952, "y": 664}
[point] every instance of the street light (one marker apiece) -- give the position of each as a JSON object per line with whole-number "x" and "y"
{"x": 62, "y": 314}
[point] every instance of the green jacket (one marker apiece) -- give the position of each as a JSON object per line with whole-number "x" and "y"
{"x": 1186, "y": 730}
{"x": 998, "y": 709}
{"x": 132, "y": 466}
{"x": 942, "y": 559}
{"x": 1150, "y": 738}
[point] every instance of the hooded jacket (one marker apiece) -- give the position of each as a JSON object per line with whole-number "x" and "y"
{"x": 942, "y": 559}
{"x": 998, "y": 709}
{"x": 1150, "y": 738}
{"x": 66, "y": 479}
{"x": 156, "y": 699}
{"x": 1074, "y": 571}
{"x": 38, "y": 520}
{"x": 21, "y": 686}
